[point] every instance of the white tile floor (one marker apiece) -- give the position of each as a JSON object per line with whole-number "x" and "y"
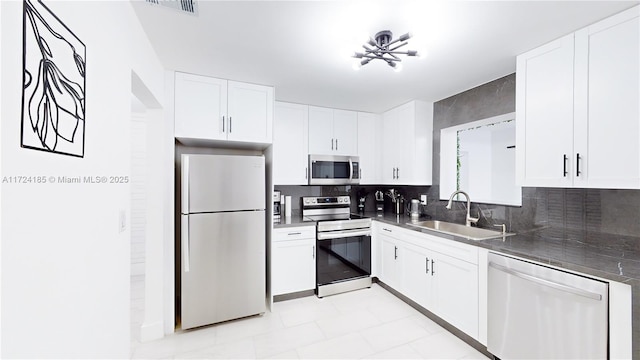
{"x": 368, "y": 323}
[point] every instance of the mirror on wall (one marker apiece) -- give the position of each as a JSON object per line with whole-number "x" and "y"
{"x": 480, "y": 158}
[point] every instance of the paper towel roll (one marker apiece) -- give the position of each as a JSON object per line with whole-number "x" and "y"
{"x": 287, "y": 209}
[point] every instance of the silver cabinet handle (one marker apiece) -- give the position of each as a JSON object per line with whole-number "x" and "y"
{"x": 313, "y": 256}
{"x": 230, "y": 119}
{"x": 184, "y": 238}
{"x": 551, "y": 284}
{"x": 385, "y": 229}
{"x": 395, "y": 252}
{"x": 331, "y": 144}
{"x": 294, "y": 233}
{"x": 397, "y": 173}
{"x": 427, "y": 265}
{"x": 336, "y": 144}
{"x": 432, "y": 268}
{"x": 306, "y": 173}
{"x": 222, "y": 123}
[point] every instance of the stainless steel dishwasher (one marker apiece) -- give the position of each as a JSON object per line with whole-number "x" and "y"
{"x": 536, "y": 312}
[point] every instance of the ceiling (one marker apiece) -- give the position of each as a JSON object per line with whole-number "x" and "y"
{"x": 304, "y": 48}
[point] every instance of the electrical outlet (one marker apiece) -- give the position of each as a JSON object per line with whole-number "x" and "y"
{"x": 423, "y": 199}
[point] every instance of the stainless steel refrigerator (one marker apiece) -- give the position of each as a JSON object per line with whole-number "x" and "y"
{"x": 222, "y": 238}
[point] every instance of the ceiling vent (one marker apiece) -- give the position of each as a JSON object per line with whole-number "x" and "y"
{"x": 187, "y": 6}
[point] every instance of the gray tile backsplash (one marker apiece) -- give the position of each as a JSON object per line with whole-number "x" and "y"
{"x": 601, "y": 210}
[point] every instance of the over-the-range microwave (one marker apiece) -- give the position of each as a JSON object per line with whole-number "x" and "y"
{"x": 334, "y": 170}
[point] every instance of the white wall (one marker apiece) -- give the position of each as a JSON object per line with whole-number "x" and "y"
{"x": 65, "y": 265}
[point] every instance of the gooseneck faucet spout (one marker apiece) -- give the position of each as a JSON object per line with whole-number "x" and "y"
{"x": 469, "y": 219}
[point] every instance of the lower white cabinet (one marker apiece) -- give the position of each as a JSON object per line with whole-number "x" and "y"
{"x": 390, "y": 271}
{"x": 293, "y": 260}
{"x": 440, "y": 275}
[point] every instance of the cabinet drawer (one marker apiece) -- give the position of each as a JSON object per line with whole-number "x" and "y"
{"x": 294, "y": 233}
{"x": 448, "y": 247}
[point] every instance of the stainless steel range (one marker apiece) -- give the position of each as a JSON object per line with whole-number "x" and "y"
{"x": 343, "y": 243}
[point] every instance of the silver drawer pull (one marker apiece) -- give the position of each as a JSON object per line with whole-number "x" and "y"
{"x": 295, "y": 233}
{"x": 551, "y": 284}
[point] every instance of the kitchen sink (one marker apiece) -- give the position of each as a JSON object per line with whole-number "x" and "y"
{"x": 471, "y": 233}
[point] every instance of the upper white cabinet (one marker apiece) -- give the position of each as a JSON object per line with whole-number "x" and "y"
{"x": 332, "y": 131}
{"x": 368, "y": 147}
{"x": 290, "y": 137}
{"x": 407, "y": 132}
{"x": 607, "y": 103}
{"x": 209, "y": 109}
{"x": 200, "y": 107}
{"x": 577, "y": 108}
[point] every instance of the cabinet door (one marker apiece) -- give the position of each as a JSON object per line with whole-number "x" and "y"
{"x": 200, "y": 107}
{"x": 345, "y": 132}
{"x": 293, "y": 266}
{"x": 250, "y": 109}
{"x": 321, "y": 141}
{"x": 389, "y": 147}
{"x": 290, "y": 134}
{"x": 390, "y": 272}
{"x": 368, "y": 146}
{"x": 405, "y": 144}
{"x": 416, "y": 270}
{"x": 607, "y": 131}
{"x": 455, "y": 291}
{"x": 544, "y": 114}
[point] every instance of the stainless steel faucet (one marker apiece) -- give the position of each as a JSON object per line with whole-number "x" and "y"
{"x": 470, "y": 219}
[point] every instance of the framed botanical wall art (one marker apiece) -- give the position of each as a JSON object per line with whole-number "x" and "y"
{"x": 54, "y": 83}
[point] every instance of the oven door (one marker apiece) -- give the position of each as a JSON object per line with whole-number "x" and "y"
{"x": 342, "y": 256}
{"x": 333, "y": 170}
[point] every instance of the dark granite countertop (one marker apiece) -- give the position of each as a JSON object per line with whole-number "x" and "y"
{"x": 292, "y": 221}
{"x": 608, "y": 256}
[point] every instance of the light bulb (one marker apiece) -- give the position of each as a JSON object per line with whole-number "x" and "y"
{"x": 356, "y": 65}
{"x": 398, "y": 67}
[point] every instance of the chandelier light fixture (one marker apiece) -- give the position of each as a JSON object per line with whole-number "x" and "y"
{"x": 384, "y": 48}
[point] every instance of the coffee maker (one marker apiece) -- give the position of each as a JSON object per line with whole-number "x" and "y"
{"x": 362, "y": 199}
{"x": 379, "y": 202}
{"x": 277, "y": 208}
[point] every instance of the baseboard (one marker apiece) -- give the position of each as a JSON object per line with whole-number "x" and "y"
{"x": 153, "y": 331}
{"x": 295, "y": 295}
{"x": 438, "y": 320}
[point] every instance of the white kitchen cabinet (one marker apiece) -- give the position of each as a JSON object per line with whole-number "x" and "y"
{"x": 416, "y": 268}
{"x": 293, "y": 265}
{"x": 455, "y": 292}
{"x": 332, "y": 131}
{"x": 577, "y": 108}
{"x": 250, "y": 111}
{"x": 391, "y": 268}
{"x": 439, "y": 274}
{"x": 210, "y": 109}
{"x": 290, "y": 139}
{"x": 607, "y": 103}
{"x": 368, "y": 147}
{"x": 200, "y": 107}
{"x": 407, "y": 132}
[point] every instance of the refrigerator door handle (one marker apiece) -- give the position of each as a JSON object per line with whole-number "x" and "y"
{"x": 185, "y": 184}
{"x": 184, "y": 238}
